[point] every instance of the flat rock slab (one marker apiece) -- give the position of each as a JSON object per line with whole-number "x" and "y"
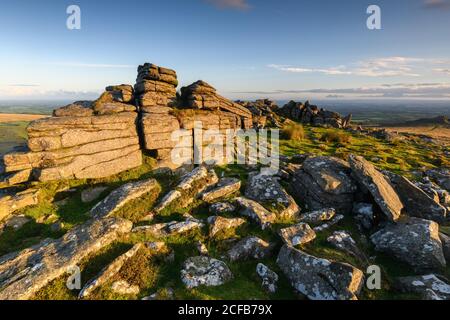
{"x": 24, "y": 273}
{"x": 265, "y": 188}
{"x": 325, "y": 182}
{"x": 161, "y": 230}
{"x": 320, "y": 279}
{"x": 109, "y": 271}
{"x": 123, "y": 195}
{"x": 219, "y": 224}
{"x": 11, "y": 203}
{"x": 205, "y": 271}
{"x": 225, "y": 187}
{"x": 417, "y": 203}
{"x": 318, "y": 216}
{"x": 250, "y": 248}
{"x": 430, "y": 287}
{"x": 297, "y": 235}
{"x": 256, "y": 212}
{"x": 380, "y": 188}
{"x": 414, "y": 241}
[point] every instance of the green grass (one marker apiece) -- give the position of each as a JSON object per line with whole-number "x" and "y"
{"x": 12, "y": 134}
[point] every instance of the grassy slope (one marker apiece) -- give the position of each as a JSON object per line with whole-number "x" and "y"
{"x": 12, "y": 134}
{"x": 153, "y": 274}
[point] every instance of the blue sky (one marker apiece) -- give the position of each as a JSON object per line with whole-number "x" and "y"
{"x": 245, "y": 48}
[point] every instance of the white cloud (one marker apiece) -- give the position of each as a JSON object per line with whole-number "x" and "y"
{"x": 396, "y": 66}
{"x": 441, "y": 70}
{"x": 230, "y": 4}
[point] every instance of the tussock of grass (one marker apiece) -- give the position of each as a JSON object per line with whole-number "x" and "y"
{"x": 293, "y": 131}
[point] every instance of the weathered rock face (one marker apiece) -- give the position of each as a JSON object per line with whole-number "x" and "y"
{"x": 417, "y": 203}
{"x": 311, "y": 114}
{"x": 430, "y": 287}
{"x": 219, "y": 208}
{"x": 220, "y": 224}
{"x": 268, "y": 277}
{"x": 256, "y": 212}
{"x": 225, "y": 187}
{"x": 11, "y": 203}
{"x": 109, "y": 271}
{"x": 320, "y": 279}
{"x": 24, "y": 273}
{"x": 414, "y": 241}
{"x": 204, "y": 271}
{"x": 79, "y": 147}
{"x": 445, "y": 239}
{"x": 162, "y": 230}
{"x": 123, "y": 195}
{"x": 299, "y": 234}
{"x": 363, "y": 213}
{"x": 76, "y": 109}
{"x": 266, "y": 189}
{"x": 375, "y": 182}
{"x": 325, "y": 182}
{"x": 441, "y": 177}
{"x": 264, "y": 113}
{"x": 250, "y": 248}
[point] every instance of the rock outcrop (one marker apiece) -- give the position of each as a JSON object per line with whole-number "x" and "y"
{"x": 313, "y": 115}
{"x": 380, "y": 188}
{"x": 24, "y": 273}
{"x": 429, "y": 286}
{"x": 325, "y": 182}
{"x": 10, "y": 203}
{"x": 414, "y": 241}
{"x": 320, "y": 279}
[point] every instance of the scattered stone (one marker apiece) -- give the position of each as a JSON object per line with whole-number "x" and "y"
{"x": 318, "y": 216}
{"x": 329, "y": 224}
{"x": 202, "y": 249}
{"x": 26, "y": 272}
{"x": 375, "y": 182}
{"x": 297, "y": 235}
{"x": 320, "y": 279}
{"x": 219, "y": 208}
{"x": 108, "y": 272}
{"x": 417, "y": 203}
{"x": 343, "y": 241}
{"x": 168, "y": 199}
{"x": 92, "y": 194}
{"x": 225, "y": 187}
{"x": 162, "y": 230}
{"x": 124, "y": 288}
{"x": 414, "y": 241}
{"x": 57, "y": 226}
{"x": 363, "y": 213}
{"x": 123, "y": 195}
{"x": 430, "y": 286}
{"x": 441, "y": 177}
{"x": 11, "y": 203}
{"x": 255, "y": 211}
{"x": 325, "y": 182}
{"x": 204, "y": 271}
{"x": 220, "y": 224}
{"x": 268, "y": 277}
{"x": 15, "y": 178}
{"x": 265, "y": 188}
{"x": 250, "y": 248}
{"x": 163, "y": 294}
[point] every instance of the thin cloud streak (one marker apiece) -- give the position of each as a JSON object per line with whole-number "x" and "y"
{"x": 230, "y": 4}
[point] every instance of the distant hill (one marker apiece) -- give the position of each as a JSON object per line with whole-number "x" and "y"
{"x": 436, "y": 121}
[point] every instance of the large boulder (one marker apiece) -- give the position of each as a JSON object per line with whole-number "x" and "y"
{"x": 204, "y": 271}
{"x": 414, "y": 241}
{"x": 264, "y": 188}
{"x": 380, "y": 188}
{"x": 320, "y": 279}
{"x": 429, "y": 286}
{"x": 123, "y": 195}
{"x": 24, "y": 273}
{"x": 417, "y": 203}
{"x": 325, "y": 182}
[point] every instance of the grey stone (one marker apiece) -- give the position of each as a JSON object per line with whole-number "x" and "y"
{"x": 124, "y": 288}
{"x": 219, "y": 208}
{"x": 320, "y": 279}
{"x": 204, "y": 271}
{"x": 250, "y": 248}
{"x": 430, "y": 286}
{"x": 219, "y": 224}
{"x": 225, "y": 187}
{"x": 92, "y": 194}
{"x": 318, "y": 216}
{"x": 268, "y": 277}
{"x": 343, "y": 241}
{"x": 414, "y": 241}
{"x": 299, "y": 234}
{"x": 256, "y": 212}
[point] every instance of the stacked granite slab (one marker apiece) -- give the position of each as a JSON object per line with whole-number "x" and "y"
{"x": 201, "y": 95}
{"x": 83, "y": 140}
